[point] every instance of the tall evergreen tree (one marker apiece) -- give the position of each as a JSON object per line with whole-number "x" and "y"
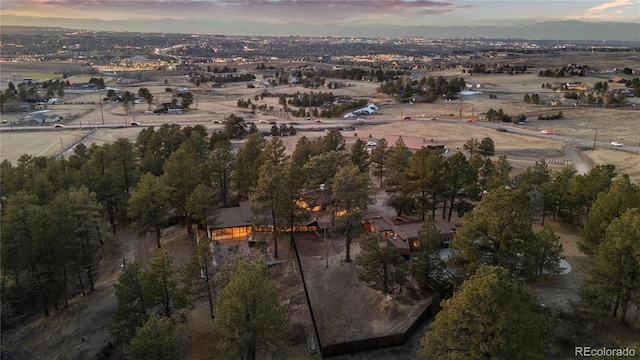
{"x": 397, "y": 163}
{"x": 247, "y": 165}
{"x": 496, "y": 232}
{"x": 166, "y": 291}
{"x": 270, "y": 199}
{"x": 221, "y": 165}
{"x": 203, "y": 205}
{"x": 360, "y": 156}
{"x": 615, "y": 280}
{"x": 157, "y": 338}
{"x": 350, "y": 195}
{"x": 460, "y": 180}
{"x": 491, "y": 317}
{"x": 182, "y": 173}
{"x": 248, "y": 313}
{"x": 609, "y": 205}
{"x": 132, "y": 304}
{"x": 378, "y": 158}
{"x": 425, "y": 180}
{"x": 149, "y": 206}
{"x": 427, "y": 267}
{"x": 384, "y": 268}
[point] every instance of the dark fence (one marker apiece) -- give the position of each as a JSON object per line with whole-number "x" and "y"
{"x": 306, "y": 292}
{"x": 380, "y": 342}
{"x": 355, "y": 346}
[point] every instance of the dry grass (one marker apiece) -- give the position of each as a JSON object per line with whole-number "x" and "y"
{"x": 42, "y": 143}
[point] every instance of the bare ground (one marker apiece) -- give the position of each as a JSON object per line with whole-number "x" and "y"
{"x": 80, "y": 331}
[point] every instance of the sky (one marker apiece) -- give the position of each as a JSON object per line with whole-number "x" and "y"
{"x": 328, "y": 12}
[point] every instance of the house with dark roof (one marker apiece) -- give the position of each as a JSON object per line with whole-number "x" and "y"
{"x": 402, "y": 234}
{"x": 233, "y": 223}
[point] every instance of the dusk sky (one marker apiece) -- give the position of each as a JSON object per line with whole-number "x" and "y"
{"x": 320, "y": 12}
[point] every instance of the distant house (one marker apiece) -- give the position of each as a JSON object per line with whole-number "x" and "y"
{"x": 46, "y": 118}
{"x": 168, "y": 108}
{"x": 25, "y": 107}
{"x": 40, "y": 118}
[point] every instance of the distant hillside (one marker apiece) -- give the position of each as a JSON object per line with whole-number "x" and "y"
{"x": 554, "y": 30}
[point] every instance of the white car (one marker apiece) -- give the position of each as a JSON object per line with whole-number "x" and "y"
{"x": 616, "y": 144}
{"x": 360, "y": 120}
{"x": 372, "y": 143}
{"x": 546, "y": 132}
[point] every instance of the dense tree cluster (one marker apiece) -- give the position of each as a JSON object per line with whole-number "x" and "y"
{"x": 566, "y": 71}
{"x": 429, "y": 88}
{"x": 498, "y": 115}
{"x": 634, "y": 84}
{"x": 556, "y": 116}
{"x": 483, "y": 68}
{"x": 161, "y": 289}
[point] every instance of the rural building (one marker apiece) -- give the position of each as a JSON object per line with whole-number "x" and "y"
{"x": 402, "y": 234}
{"x": 168, "y": 108}
{"x": 234, "y": 223}
{"x": 40, "y": 118}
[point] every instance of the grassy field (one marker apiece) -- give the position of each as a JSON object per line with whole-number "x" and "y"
{"x": 41, "y": 143}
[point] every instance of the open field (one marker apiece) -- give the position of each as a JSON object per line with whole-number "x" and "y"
{"x": 605, "y": 125}
{"x": 41, "y": 143}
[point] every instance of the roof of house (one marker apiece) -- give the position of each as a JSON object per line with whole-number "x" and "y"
{"x": 234, "y": 216}
{"x": 399, "y": 243}
{"x": 45, "y": 116}
{"x": 411, "y": 142}
{"x": 380, "y": 224}
{"x": 408, "y": 229}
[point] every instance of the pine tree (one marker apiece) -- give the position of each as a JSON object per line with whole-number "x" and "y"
{"x": 378, "y": 158}
{"x": 383, "y": 266}
{"x": 427, "y": 267}
{"x": 615, "y": 280}
{"x": 248, "y": 313}
{"x": 149, "y": 206}
{"x": 157, "y": 338}
{"x": 350, "y": 195}
{"x": 166, "y": 292}
{"x": 131, "y": 310}
{"x": 609, "y": 205}
{"x": 491, "y": 317}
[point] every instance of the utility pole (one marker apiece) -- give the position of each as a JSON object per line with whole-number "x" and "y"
{"x": 101, "y": 113}
{"x": 594, "y": 140}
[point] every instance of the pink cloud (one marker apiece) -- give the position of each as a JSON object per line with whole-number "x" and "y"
{"x": 311, "y": 11}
